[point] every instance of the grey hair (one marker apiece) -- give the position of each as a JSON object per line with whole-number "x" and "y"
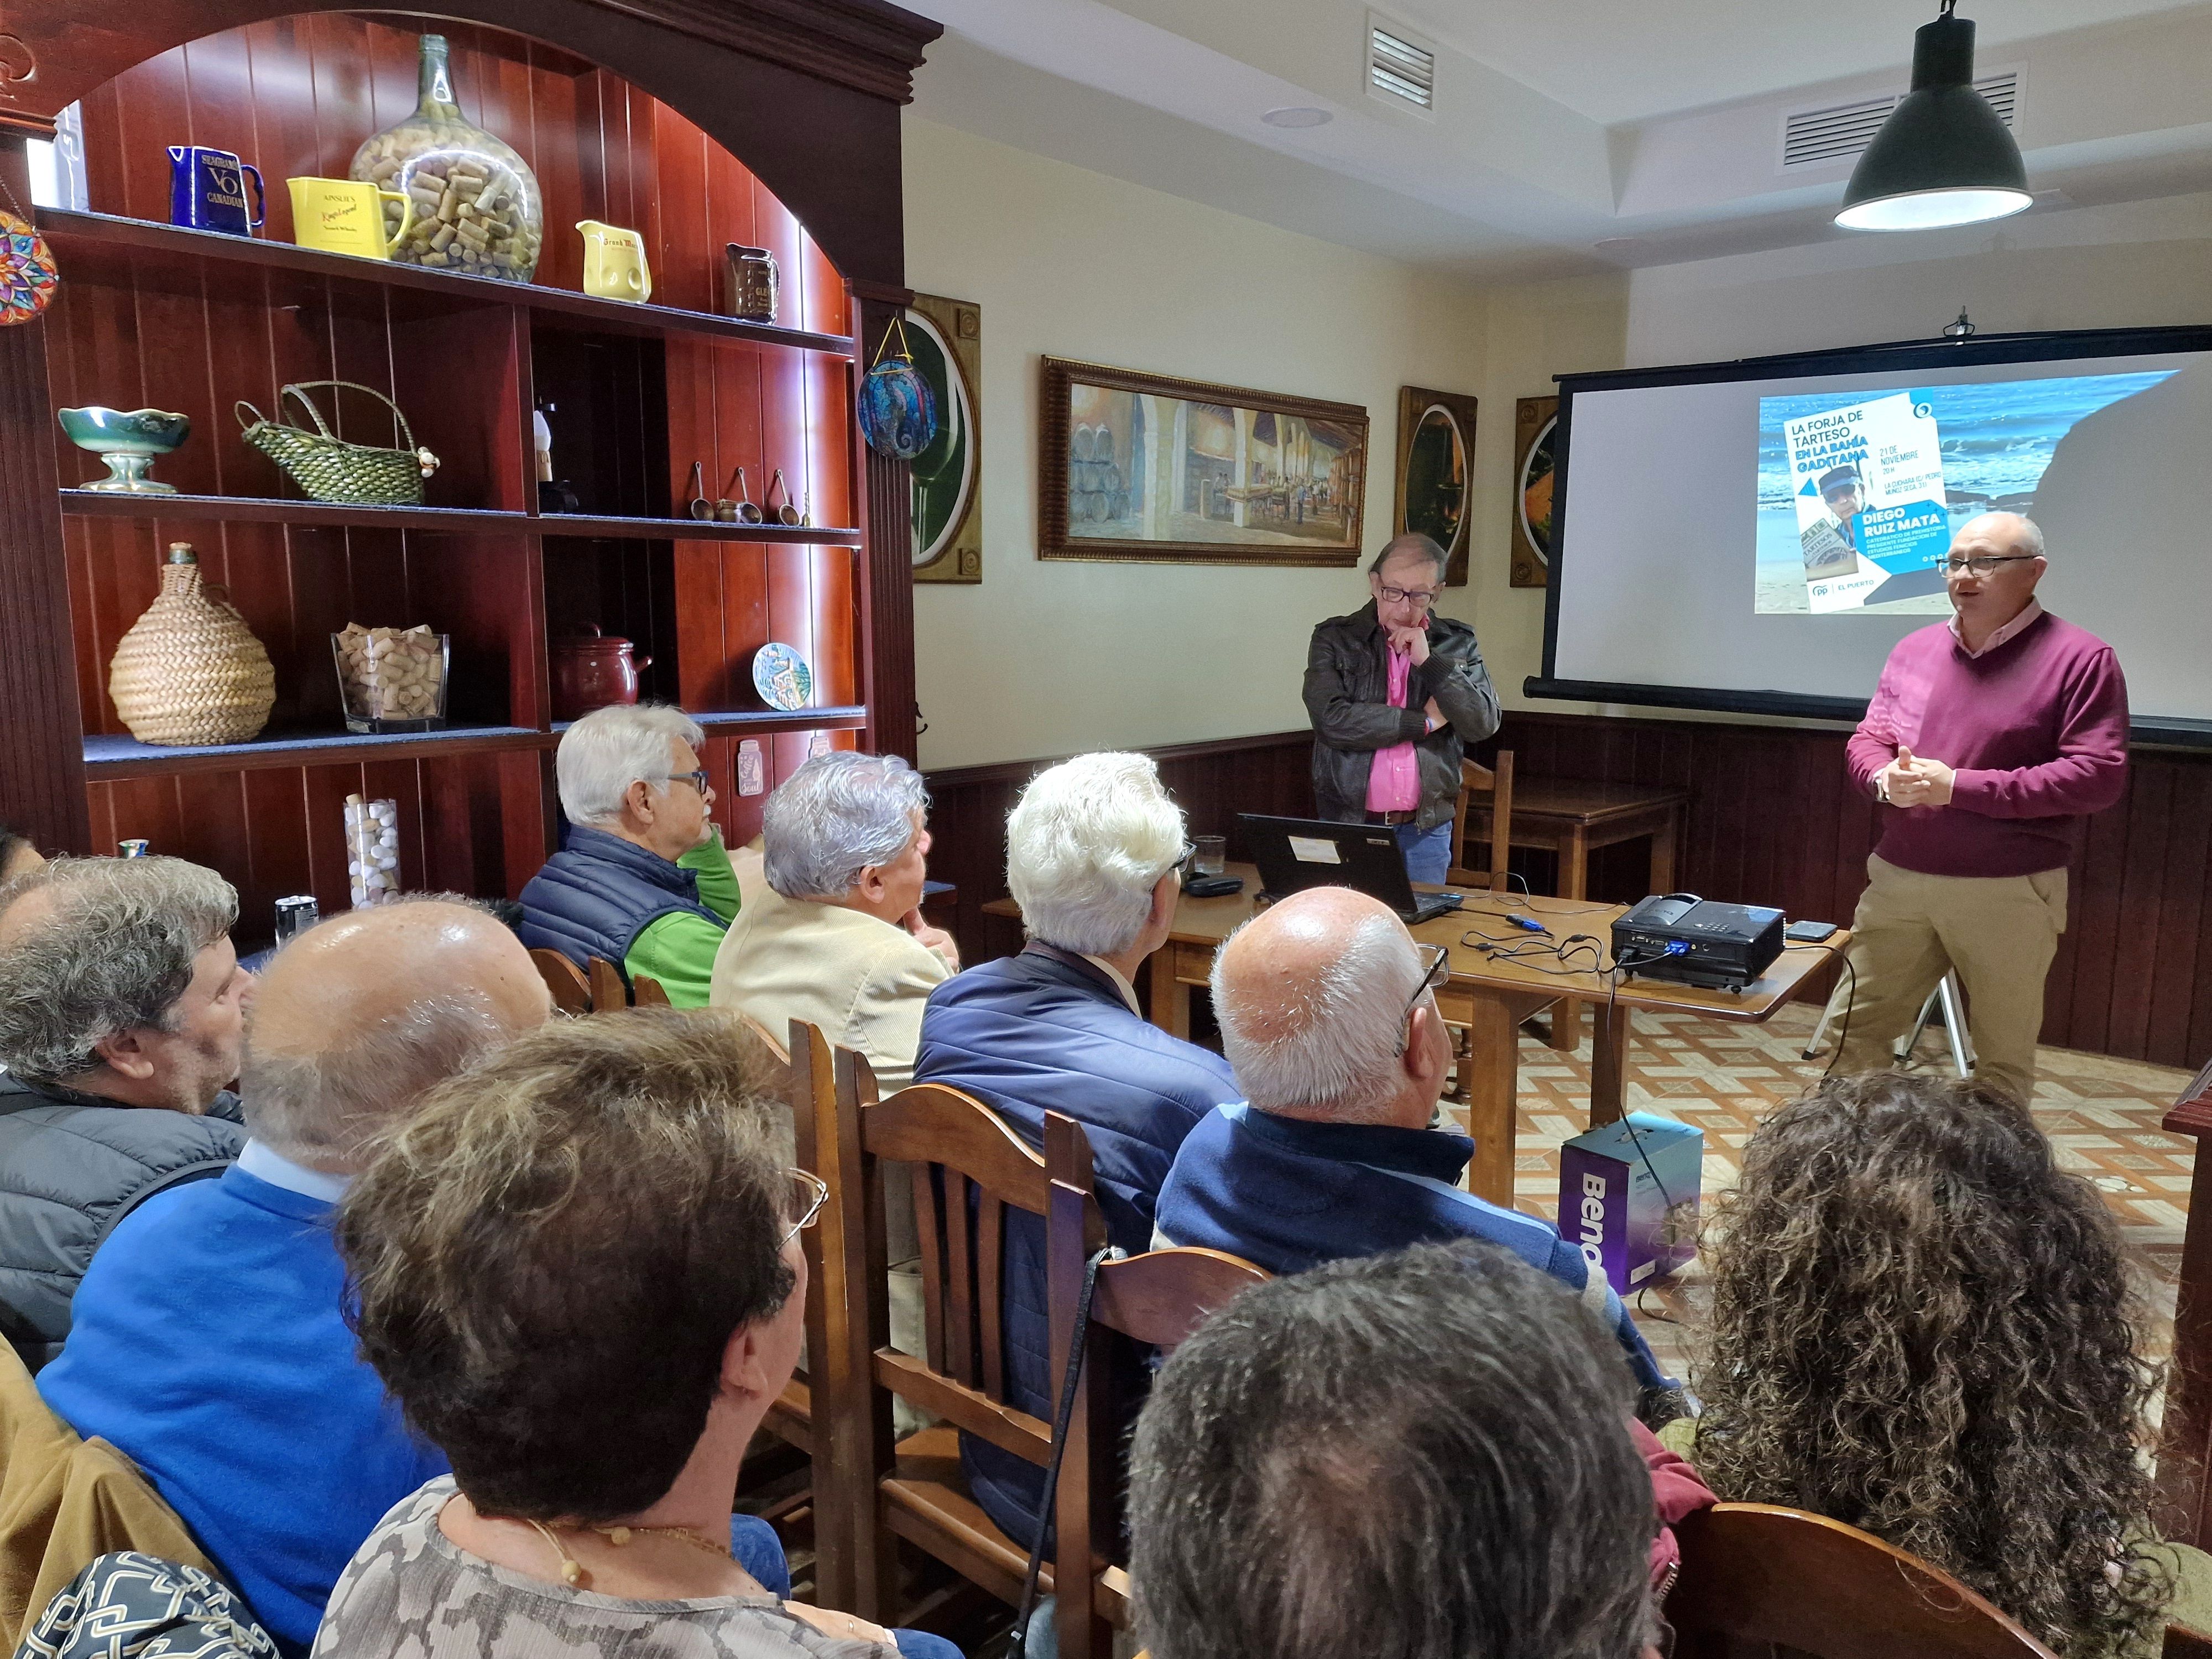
{"x": 114, "y": 956}
{"x": 610, "y": 749}
{"x": 1412, "y": 544}
{"x": 1336, "y": 1036}
{"x": 1085, "y": 845}
{"x": 834, "y": 817}
{"x": 1418, "y": 1453}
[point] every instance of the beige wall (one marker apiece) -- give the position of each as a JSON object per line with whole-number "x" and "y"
{"x": 1048, "y": 658}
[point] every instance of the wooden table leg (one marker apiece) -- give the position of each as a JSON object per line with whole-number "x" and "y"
{"x": 1662, "y": 852}
{"x": 1170, "y": 997}
{"x": 1608, "y": 1062}
{"x": 1494, "y": 1063}
{"x": 1574, "y": 884}
{"x": 2185, "y": 1449}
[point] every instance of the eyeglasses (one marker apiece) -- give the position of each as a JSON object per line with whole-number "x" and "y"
{"x": 1438, "y": 970}
{"x": 809, "y": 1192}
{"x": 698, "y": 779}
{"x": 1420, "y": 598}
{"x": 1984, "y": 564}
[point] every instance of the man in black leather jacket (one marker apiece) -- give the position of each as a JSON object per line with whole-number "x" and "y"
{"x": 1396, "y": 693}
{"x": 122, "y": 1011}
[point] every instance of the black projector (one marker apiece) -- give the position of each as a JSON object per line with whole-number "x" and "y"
{"x": 1694, "y": 941}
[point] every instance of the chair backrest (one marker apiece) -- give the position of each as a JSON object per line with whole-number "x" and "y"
{"x": 646, "y": 993}
{"x": 775, "y": 1045}
{"x": 1156, "y": 1299}
{"x": 2183, "y": 1643}
{"x": 572, "y": 994}
{"x": 810, "y": 1090}
{"x": 609, "y": 988}
{"x": 1757, "y": 1574}
{"x": 1495, "y": 781}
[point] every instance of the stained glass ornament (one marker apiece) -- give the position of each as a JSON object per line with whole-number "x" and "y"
{"x": 28, "y": 276}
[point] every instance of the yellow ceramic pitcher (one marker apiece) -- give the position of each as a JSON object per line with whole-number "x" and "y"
{"x": 614, "y": 262}
{"x": 345, "y": 215}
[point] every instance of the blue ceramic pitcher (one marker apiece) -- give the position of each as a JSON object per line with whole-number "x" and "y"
{"x": 207, "y": 191}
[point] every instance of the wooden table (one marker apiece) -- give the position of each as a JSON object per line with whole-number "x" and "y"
{"x": 1489, "y": 998}
{"x": 1573, "y": 819}
{"x": 2185, "y": 1459}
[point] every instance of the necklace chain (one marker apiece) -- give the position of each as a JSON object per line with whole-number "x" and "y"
{"x": 574, "y": 1571}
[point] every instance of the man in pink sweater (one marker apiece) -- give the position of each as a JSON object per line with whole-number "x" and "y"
{"x": 1991, "y": 738}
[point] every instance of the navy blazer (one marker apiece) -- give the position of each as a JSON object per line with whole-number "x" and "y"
{"x": 1046, "y": 1031}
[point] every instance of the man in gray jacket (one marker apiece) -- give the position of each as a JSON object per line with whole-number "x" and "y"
{"x": 1396, "y": 693}
{"x": 122, "y": 1011}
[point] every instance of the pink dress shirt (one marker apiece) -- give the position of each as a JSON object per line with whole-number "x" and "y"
{"x": 1394, "y": 780}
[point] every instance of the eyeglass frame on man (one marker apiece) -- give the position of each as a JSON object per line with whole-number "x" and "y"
{"x": 820, "y": 1188}
{"x": 1435, "y": 975}
{"x": 1421, "y": 598}
{"x": 1984, "y": 564}
{"x": 697, "y": 778}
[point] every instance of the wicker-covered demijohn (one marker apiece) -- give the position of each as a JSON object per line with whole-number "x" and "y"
{"x": 190, "y": 670}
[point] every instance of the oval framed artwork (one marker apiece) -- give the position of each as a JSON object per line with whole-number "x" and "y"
{"x": 1535, "y": 422}
{"x": 1436, "y": 450}
{"x": 946, "y": 338}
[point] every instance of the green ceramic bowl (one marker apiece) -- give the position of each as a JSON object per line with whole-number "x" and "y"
{"x": 120, "y": 432}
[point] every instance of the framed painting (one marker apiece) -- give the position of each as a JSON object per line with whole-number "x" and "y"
{"x": 1141, "y": 466}
{"x": 1535, "y": 421}
{"x": 946, "y": 337}
{"x": 1436, "y": 440}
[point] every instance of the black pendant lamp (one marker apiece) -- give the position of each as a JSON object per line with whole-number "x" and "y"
{"x": 1942, "y": 157}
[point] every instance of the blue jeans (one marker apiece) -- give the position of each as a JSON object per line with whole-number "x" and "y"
{"x": 1428, "y": 854}
{"x": 920, "y": 1645}
{"x": 760, "y": 1553}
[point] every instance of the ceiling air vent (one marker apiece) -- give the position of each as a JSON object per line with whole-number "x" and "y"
{"x": 1840, "y": 132}
{"x": 1400, "y": 67}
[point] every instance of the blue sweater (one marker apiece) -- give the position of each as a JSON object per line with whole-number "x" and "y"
{"x": 1288, "y": 1195}
{"x": 209, "y": 1346}
{"x": 1042, "y": 1032}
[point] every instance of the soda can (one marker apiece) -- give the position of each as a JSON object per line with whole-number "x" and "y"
{"x": 296, "y": 914}
{"x": 134, "y": 848}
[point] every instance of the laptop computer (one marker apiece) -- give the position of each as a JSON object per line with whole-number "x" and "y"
{"x": 1296, "y": 854}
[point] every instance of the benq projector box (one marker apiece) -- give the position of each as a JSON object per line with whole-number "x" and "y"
{"x": 1634, "y": 1214}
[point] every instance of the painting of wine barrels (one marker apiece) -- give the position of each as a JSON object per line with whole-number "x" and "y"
{"x": 1535, "y": 421}
{"x": 1134, "y": 466}
{"x": 1436, "y": 446}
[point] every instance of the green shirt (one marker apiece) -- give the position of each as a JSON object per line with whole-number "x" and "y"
{"x": 679, "y": 950}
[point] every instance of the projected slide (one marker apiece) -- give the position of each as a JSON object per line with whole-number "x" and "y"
{"x": 1860, "y": 493}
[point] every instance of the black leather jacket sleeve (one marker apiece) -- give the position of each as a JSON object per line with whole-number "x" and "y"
{"x": 1340, "y": 718}
{"x": 1455, "y": 676}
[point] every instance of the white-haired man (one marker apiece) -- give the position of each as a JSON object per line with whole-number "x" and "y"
{"x": 832, "y": 932}
{"x": 644, "y": 881}
{"x": 1092, "y": 852}
{"x": 1329, "y": 1018}
{"x": 1992, "y": 736}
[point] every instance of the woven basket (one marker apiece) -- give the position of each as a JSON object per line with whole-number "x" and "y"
{"x": 326, "y": 466}
{"x": 190, "y": 670}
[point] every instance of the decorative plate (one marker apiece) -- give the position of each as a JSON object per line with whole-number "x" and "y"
{"x": 781, "y": 676}
{"x": 27, "y": 274}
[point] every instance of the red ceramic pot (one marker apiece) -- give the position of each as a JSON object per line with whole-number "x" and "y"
{"x": 592, "y": 670}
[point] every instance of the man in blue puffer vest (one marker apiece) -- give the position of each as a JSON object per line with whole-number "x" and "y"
{"x": 644, "y": 880}
{"x": 1092, "y": 851}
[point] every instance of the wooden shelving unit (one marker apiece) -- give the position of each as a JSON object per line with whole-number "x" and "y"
{"x": 152, "y": 315}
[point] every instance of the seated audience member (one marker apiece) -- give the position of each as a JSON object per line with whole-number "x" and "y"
{"x": 1419, "y": 1453}
{"x": 122, "y": 1005}
{"x": 593, "y": 1355}
{"x": 1092, "y": 851}
{"x": 1328, "y": 1016}
{"x": 17, "y": 856}
{"x": 643, "y": 881}
{"x": 211, "y": 1345}
{"x": 832, "y": 933}
{"x": 1924, "y": 1328}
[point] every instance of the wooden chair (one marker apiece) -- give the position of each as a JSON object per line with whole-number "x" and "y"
{"x": 609, "y": 988}
{"x": 2183, "y": 1643}
{"x": 571, "y": 994}
{"x": 1156, "y": 1299}
{"x": 1756, "y": 1576}
{"x": 1497, "y": 783}
{"x": 967, "y": 1168}
{"x": 646, "y": 991}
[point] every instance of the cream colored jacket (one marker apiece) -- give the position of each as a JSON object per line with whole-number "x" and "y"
{"x": 861, "y": 981}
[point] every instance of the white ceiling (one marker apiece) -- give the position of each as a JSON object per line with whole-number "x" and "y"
{"x": 1569, "y": 135}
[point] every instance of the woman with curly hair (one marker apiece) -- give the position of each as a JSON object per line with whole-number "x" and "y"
{"x": 1921, "y": 1327}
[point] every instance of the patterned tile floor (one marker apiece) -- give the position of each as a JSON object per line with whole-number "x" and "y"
{"x": 2101, "y": 1114}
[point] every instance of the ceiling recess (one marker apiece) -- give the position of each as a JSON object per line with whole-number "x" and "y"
{"x": 1401, "y": 67}
{"x": 1835, "y": 133}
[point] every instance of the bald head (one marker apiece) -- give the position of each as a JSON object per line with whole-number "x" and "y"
{"x": 2010, "y": 532}
{"x": 358, "y": 1017}
{"x": 1312, "y": 996}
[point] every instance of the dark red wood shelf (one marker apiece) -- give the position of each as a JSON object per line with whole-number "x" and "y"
{"x": 103, "y": 247}
{"x": 452, "y": 520}
{"x": 108, "y": 758}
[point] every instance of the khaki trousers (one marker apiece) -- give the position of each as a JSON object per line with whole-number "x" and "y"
{"x": 1999, "y": 932}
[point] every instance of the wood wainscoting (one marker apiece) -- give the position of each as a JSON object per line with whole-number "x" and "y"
{"x": 1772, "y": 820}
